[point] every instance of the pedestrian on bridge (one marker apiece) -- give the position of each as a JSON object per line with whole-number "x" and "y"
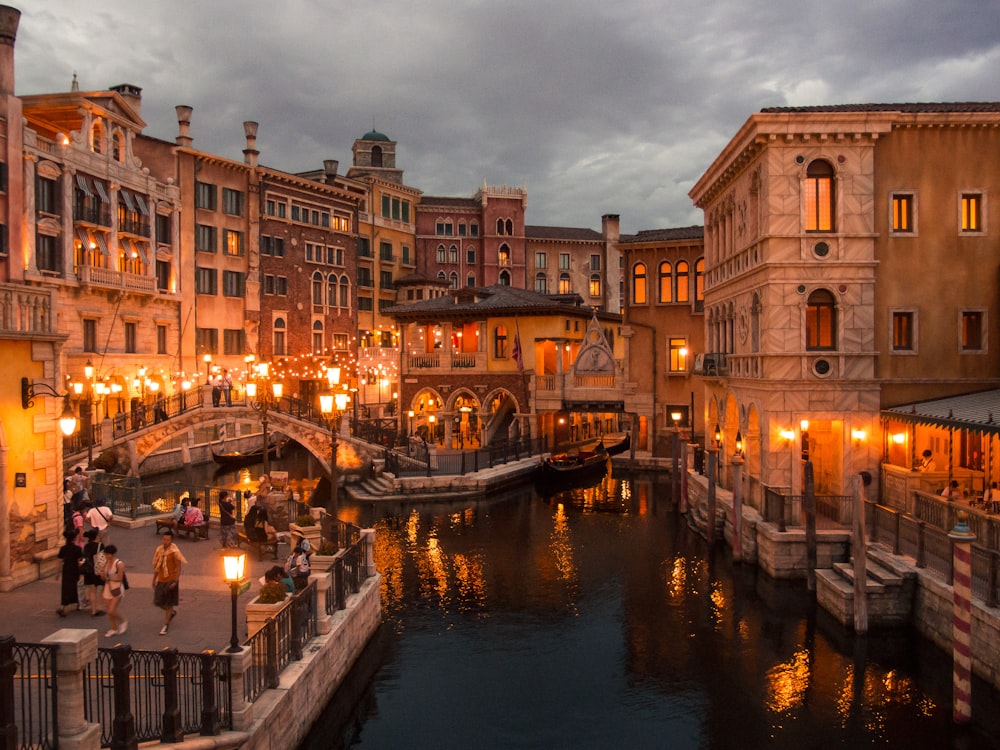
{"x": 167, "y": 563}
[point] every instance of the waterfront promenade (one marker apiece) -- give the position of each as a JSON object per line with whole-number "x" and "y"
{"x": 203, "y": 618}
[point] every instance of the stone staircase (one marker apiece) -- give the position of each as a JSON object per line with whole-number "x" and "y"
{"x": 374, "y": 488}
{"x": 890, "y": 586}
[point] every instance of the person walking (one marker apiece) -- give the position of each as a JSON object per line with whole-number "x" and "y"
{"x": 114, "y": 590}
{"x": 227, "y": 519}
{"x": 93, "y": 578}
{"x": 99, "y": 517}
{"x": 167, "y": 563}
{"x": 227, "y": 387}
{"x": 71, "y": 555}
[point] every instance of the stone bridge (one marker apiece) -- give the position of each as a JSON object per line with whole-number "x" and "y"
{"x": 305, "y": 426}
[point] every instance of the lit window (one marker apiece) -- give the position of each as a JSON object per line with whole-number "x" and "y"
{"x": 902, "y": 331}
{"x": 234, "y": 242}
{"x": 683, "y": 290}
{"x": 639, "y": 284}
{"x": 821, "y": 320}
{"x": 699, "y": 284}
{"x": 595, "y": 285}
{"x": 902, "y": 212}
{"x": 972, "y": 330}
{"x": 565, "y": 285}
{"x": 819, "y": 197}
{"x": 972, "y": 212}
{"x": 666, "y": 282}
{"x": 503, "y": 256}
{"x": 678, "y": 354}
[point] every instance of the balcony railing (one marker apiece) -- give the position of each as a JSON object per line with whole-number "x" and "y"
{"x": 116, "y": 279}
{"x": 24, "y": 310}
{"x": 453, "y": 361}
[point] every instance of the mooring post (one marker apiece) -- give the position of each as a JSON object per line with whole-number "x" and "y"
{"x": 962, "y": 538}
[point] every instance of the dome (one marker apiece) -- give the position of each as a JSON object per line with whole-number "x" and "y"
{"x": 374, "y": 135}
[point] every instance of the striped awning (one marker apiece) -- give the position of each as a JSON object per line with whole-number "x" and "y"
{"x": 127, "y": 197}
{"x": 102, "y": 191}
{"x": 84, "y": 237}
{"x": 102, "y": 243}
{"x": 140, "y": 203}
{"x": 975, "y": 412}
{"x": 140, "y": 249}
{"x": 81, "y": 180}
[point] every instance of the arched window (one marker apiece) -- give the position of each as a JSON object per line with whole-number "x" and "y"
{"x": 819, "y": 197}
{"x": 504, "y": 279}
{"x": 376, "y": 156}
{"x": 441, "y": 276}
{"x": 331, "y": 290}
{"x": 453, "y": 280}
{"x": 639, "y": 284}
{"x": 683, "y": 288}
{"x": 344, "y": 291}
{"x": 317, "y": 288}
{"x": 97, "y": 137}
{"x": 278, "y": 337}
{"x": 317, "y": 337}
{"x": 509, "y": 228}
{"x": 453, "y": 254}
{"x": 470, "y": 280}
{"x": 699, "y": 284}
{"x": 666, "y": 282}
{"x": 503, "y": 255}
{"x": 565, "y": 285}
{"x": 441, "y": 255}
{"x": 541, "y": 283}
{"x": 500, "y": 227}
{"x": 821, "y": 321}
{"x": 595, "y": 285}
{"x": 500, "y": 342}
{"x": 116, "y": 147}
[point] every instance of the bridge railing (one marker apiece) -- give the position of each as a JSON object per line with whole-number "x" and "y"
{"x": 160, "y": 410}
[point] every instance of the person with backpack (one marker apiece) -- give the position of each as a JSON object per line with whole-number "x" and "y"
{"x": 115, "y": 583}
{"x": 93, "y": 573}
{"x": 297, "y": 566}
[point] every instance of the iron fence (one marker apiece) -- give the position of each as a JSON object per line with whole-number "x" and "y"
{"x": 156, "y": 695}
{"x": 420, "y": 461}
{"x": 28, "y": 692}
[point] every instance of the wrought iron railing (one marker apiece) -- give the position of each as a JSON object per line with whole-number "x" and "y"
{"x": 28, "y": 692}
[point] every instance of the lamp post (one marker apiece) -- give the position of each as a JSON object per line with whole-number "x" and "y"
{"x": 738, "y": 500}
{"x": 85, "y": 391}
{"x": 713, "y": 455}
{"x": 234, "y": 564}
{"x": 263, "y": 399}
{"x": 331, "y": 405}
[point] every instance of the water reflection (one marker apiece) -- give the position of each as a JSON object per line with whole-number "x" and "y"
{"x": 595, "y": 618}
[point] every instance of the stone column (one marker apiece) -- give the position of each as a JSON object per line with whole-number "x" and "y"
{"x": 77, "y": 649}
{"x": 324, "y": 590}
{"x": 240, "y": 663}
{"x": 368, "y": 535}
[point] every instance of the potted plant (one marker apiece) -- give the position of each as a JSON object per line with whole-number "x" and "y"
{"x": 322, "y": 559}
{"x": 271, "y": 598}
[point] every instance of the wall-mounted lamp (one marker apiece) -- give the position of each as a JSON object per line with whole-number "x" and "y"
{"x": 718, "y": 436}
{"x": 739, "y": 443}
{"x": 30, "y": 389}
{"x": 788, "y": 435}
{"x": 858, "y": 436}
{"x": 899, "y": 438}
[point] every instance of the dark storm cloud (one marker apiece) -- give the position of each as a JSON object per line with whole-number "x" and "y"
{"x": 595, "y": 107}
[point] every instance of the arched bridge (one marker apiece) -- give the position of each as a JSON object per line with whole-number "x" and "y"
{"x": 143, "y": 431}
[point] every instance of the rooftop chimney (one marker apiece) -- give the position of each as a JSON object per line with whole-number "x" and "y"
{"x": 9, "y": 19}
{"x": 330, "y": 169}
{"x": 250, "y": 153}
{"x": 184, "y": 125}
{"x": 131, "y": 94}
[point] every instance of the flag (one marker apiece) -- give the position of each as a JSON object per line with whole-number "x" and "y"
{"x": 518, "y": 356}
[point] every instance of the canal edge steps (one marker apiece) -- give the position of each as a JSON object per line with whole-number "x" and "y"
{"x": 890, "y": 589}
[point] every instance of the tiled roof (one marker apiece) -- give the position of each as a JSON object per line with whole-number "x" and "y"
{"x": 979, "y": 412}
{"x": 431, "y": 201}
{"x": 662, "y": 235}
{"x": 478, "y": 303}
{"x": 562, "y": 233}
{"x": 912, "y": 107}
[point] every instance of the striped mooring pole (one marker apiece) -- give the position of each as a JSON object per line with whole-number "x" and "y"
{"x": 962, "y": 537}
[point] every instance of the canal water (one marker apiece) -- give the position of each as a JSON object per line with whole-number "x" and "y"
{"x": 596, "y": 618}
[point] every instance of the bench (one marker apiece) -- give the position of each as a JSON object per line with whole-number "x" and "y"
{"x": 259, "y": 547}
{"x": 194, "y": 532}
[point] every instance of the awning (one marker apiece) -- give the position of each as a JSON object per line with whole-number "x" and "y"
{"x": 140, "y": 248}
{"x": 102, "y": 191}
{"x": 84, "y": 236}
{"x": 102, "y": 243}
{"x": 975, "y": 412}
{"x": 81, "y": 180}
{"x": 124, "y": 195}
{"x": 140, "y": 203}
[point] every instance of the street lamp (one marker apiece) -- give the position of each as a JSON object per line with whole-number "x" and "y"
{"x": 675, "y": 469}
{"x": 737, "y": 462}
{"x": 85, "y": 391}
{"x": 30, "y": 389}
{"x": 269, "y": 398}
{"x": 234, "y": 565}
{"x": 331, "y": 405}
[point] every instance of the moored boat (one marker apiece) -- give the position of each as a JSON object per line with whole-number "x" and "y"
{"x": 243, "y": 458}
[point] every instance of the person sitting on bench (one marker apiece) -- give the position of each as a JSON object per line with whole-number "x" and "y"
{"x": 180, "y": 512}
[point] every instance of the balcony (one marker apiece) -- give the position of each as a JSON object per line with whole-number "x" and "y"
{"x": 105, "y": 277}
{"x": 25, "y": 311}
{"x": 447, "y": 362}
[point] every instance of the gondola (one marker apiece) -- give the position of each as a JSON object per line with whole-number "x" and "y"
{"x": 620, "y": 447}
{"x": 574, "y": 466}
{"x": 231, "y": 459}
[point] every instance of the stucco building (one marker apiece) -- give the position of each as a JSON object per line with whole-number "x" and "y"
{"x": 849, "y": 265}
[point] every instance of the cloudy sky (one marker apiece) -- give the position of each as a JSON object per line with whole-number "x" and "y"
{"x": 594, "y": 106}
